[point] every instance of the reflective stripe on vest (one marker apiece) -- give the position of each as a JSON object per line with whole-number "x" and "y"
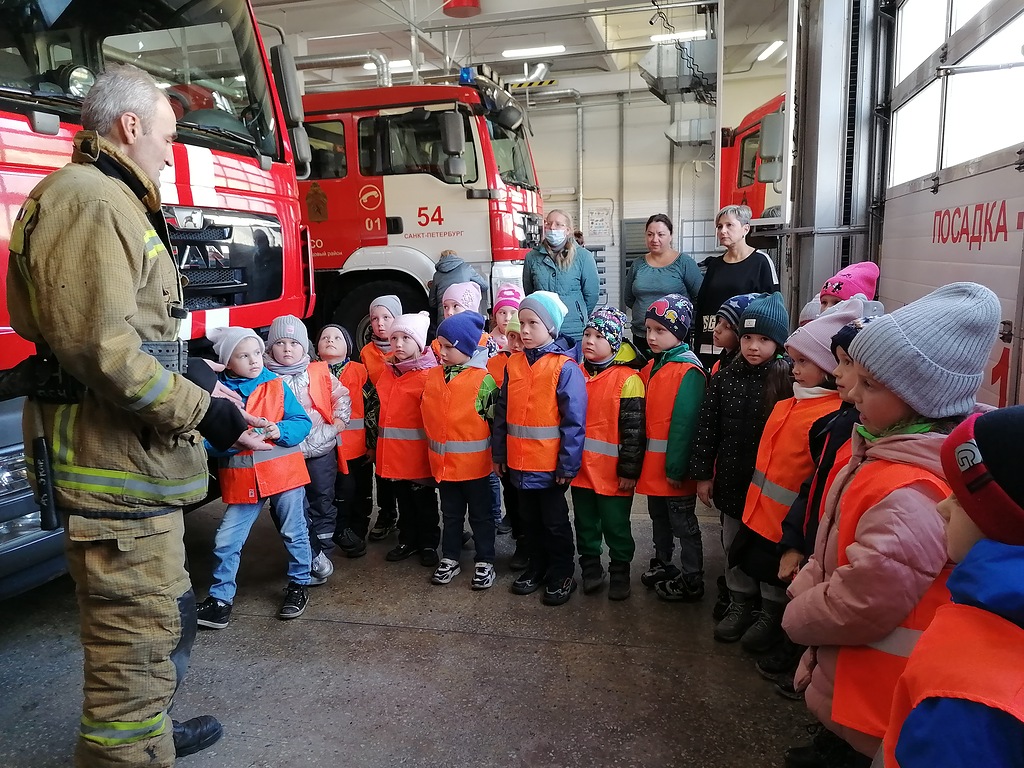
{"x": 989, "y": 667}
{"x": 248, "y": 476}
{"x": 401, "y": 440}
{"x": 784, "y": 462}
{"x": 532, "y": 415}
{"x": 662, "y": 388}
{"x": 353, "y": 439}
{"x": 599, "y": 470}
{"x": 460, "y": 438}
{"x": 866, "y": 675}
{"x": 116, "y": 733}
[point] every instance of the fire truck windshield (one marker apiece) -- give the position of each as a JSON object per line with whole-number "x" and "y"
{"x": 512, "y": 154}
{"x": 203, "y": 53}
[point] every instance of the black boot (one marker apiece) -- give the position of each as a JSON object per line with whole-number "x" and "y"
{"x": 618, "y": 581}
{"x": 766, "y": 631}
{"x": 722, "y": 603}
{"x": 593, "y": 574}
{"x": 737, "y": 619}
{"x": 195, "y": 735}
{"x": 826, "y": 750}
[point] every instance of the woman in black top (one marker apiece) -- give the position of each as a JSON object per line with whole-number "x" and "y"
{"x": 741, "y": 269}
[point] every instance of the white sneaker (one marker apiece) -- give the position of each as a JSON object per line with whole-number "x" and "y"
{"x": 321, "y": 568}
{"x": 446, "y": 571}
{"x": 483, "y": 576}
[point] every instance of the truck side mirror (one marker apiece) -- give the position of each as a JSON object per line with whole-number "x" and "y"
{"x": 301, "y": 152}
{"x": 771, "y": 148}
{"x": 454, "y": 166}
{"x": 453, "y": 135}
{"x": 286, "y": 76}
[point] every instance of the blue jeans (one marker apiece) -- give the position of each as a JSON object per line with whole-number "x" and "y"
{"x": 234, "y": 530}
{"x": 495, "y": 483}
{"x": 675, "y": 517}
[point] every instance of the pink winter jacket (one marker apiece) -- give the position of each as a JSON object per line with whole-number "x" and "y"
{"x": 899, "y": 549}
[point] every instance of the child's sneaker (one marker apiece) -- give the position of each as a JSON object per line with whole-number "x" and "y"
{"x": 213, "y": 613}
{"x": 446, "y": 571}
{"x": 295, "y": 601}
{"x": 684, "y": 588}
{"x": 320, "y": 569}
{"x": 483, "y": 576}
{"x": 559, "y": 593}
{"x": 658, "y": 572}
{"x": 381, "y": 529}
{"x": 349, "y": 543}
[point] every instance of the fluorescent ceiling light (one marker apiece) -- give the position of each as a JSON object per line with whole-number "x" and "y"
{"x": 770, "y": 50}
{"x": 693, "y": 34}
{"x": 397, "y": 64}
{"x": 525, "y": 53}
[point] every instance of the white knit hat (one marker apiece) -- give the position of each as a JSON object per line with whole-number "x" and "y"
{"x": 932, "y": 352}
{"x": 226, "y": 339}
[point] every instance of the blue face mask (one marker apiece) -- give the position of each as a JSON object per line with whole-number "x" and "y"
{"x": 555, "y": 238}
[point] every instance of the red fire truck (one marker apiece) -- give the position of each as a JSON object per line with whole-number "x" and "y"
{"x": 399, "y": 174}
{"x": 230, "y": 199}
{"x": 741, "y": 161}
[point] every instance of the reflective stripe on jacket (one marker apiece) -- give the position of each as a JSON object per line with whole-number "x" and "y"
{"x": 784, "y": 462}
{"x": 353, "y": 439}
{"x": 866, "y": 675}
{"x": 662, "y": 388}
{"x": 249, "y": 476}
{"x": 459, "y": 439}
{"x": 599, "y": 471}
{"x": 967, "y": 653}
{"x": 532, "y": 417}
{"x": 401, "y": 438}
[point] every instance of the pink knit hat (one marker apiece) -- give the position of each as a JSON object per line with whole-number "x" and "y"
{"x": 861, "y": 277}
{"x": 414, "y": 326}
{"x": 509, "y": 295}
{"x": 466, "y": 295}
{"x": 814, "y": 340}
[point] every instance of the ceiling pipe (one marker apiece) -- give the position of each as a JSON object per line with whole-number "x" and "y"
{"x": 539, "y": 73}
{"x": 565, "y": 16}
{"x": 331, "y": 60}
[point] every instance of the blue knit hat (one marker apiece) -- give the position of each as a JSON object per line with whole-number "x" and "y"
{"x": 766, "y": 316}
{"x": 548, "y": 307}
{"x": 673, "y": 311}
{"x": 463, "y": 331}
{"x": 733, "y": 308}
{"x": 932, "y": 352}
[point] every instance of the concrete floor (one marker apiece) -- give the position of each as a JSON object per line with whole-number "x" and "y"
{"x": 385, "y": 669}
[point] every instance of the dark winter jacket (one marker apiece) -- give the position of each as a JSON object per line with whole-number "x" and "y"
{"x": 571, "y": 393}
{"x": 632, "y": 412}
{"x": 957, "y": 733}
{"x": 450, "y": 270}
{"x": 828, "y": 435}
{"x": 732, "y": 418}
{"x": 578, "y": 286}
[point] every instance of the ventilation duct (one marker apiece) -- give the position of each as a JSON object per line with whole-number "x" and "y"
{"x": 683, "y": 71}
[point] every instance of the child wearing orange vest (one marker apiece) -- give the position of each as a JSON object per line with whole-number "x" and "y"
{"x": 383, "y": 311}
{"x": 464, "y": 297}
{"x": 496, "y": 366}
{"x": 353, "y": 490}
{"x": 613, "y": 452}
{"x": 959, "y": 700}
{"x": 675, "y": 389}
{"x": 399, "y": 439}
{"x": 538, "y": 440}
{"x": 249, "y": 478}
{"x": 326, "y": 401}
{"x": 784, "y": 461}
{"x": 458, "y": 406}
{"x": 877, "y": 573}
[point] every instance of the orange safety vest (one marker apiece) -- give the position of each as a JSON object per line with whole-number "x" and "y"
{"x": 401, "y": 439}
{"x": 532, "y": 416}
{"x": 373, "y": 359}
{"x": 784, "y": 461}
{"x": 248, "y": 476}
{"x": 967, "y": 653}
{"x": 600, "y": 469}
{"x": 353, "y": 439}
{"x": 459, "y": 439}
{"x": 496, "y": 367}
{"x": 866, "y": 675}
{"x": 662, "y": 388}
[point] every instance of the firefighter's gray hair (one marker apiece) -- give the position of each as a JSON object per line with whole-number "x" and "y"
{"x": 741, "y": 213}
{"x": 118, "y": 90}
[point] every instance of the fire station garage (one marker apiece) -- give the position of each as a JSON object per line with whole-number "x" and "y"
{"x": 341, "y": 165}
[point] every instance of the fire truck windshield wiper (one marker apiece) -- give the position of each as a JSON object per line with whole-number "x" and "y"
{"x": 510, "y": 177}
{"x": 214, "y": 130}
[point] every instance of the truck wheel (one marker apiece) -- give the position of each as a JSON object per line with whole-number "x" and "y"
{"x": 353, "y": 310}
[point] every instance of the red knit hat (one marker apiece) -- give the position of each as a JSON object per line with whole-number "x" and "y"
{"x": 981, "y": 461}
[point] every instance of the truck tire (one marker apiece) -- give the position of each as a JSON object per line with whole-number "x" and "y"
{"x": 353, "y": 307}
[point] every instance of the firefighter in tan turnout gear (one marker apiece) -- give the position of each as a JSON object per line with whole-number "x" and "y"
{"x": 92, "y": 282}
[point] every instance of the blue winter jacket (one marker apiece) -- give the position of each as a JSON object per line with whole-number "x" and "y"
{"x": 956, "y": 733}
{"x": 294, "y": 426}
{"x": 579, "y": 286}
{"x": 571, "y": 393}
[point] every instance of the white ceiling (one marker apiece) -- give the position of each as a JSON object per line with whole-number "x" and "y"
{"x": 600, "y": 36}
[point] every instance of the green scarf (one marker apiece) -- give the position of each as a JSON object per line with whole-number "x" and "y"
{"x": 916, "y": 427}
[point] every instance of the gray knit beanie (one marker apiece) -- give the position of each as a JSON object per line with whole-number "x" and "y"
{"x": 288, "y": 327}
{"x": 932, "y": 352}
{"x": 390, "y": 302}
{"x": 226, "y": 339}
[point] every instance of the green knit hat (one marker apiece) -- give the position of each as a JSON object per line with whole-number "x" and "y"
{"x": 766, "y": 316}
